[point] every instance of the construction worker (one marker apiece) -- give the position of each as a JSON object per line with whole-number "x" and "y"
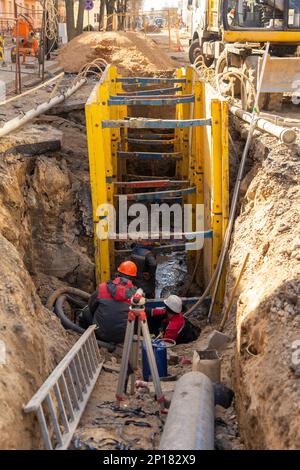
{"x": 146, "y": 265}
{"x": 109, "y": 305}
{"x": 173, "y": 324}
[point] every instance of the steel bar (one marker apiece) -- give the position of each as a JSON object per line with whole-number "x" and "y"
{"x": 157, "y": 91}
{"x": 152, "y": 136}
{"x": 150, "y": 183}
{"x": 157, "y": 236}
{"x": 154, "y": 196}
{"x": 150, "y": 101}
{"x": 142, "y": 123}
{"x": 149, "y": 80}
{"x": 150, "y": 155}
{"x": 130, "y": 140}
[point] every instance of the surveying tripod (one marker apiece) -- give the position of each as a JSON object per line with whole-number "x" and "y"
{"x": 137, "y": 317}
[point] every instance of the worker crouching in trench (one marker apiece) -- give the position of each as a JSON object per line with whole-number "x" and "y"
{"x": 109, "y": 305}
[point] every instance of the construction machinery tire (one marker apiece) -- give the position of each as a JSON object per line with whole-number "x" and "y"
{"x": 248, "y": 100}
{"x": 196, "y": 50}
{"x": 222, "y": 67}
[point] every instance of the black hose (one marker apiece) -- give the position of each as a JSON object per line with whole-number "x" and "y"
{"x": 69, "y": 325}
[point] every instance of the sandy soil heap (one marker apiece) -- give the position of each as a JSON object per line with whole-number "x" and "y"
{"x": 131, "y": 52}
{"x": 44, "y": 239}
{"x": 268, "y": 307}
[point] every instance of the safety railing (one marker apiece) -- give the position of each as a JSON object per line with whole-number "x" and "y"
{"x": 61, "y": 400}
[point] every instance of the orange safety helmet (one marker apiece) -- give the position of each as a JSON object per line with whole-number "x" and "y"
{"x": 128, "y": 268}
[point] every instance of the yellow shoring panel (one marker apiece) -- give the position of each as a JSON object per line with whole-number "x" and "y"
{"x": 205, "y": 162}
{"x": 98, "y": 183}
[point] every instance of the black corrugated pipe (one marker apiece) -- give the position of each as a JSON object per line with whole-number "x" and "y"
{"x": 58, "y": 298}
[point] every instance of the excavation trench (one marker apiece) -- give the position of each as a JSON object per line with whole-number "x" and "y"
{"x": 47, "y": 242}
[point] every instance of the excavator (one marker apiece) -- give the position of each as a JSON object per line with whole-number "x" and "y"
{"x": 231, "y": 35}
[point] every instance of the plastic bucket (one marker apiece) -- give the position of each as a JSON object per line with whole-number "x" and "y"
{"x": 160, "y": 354}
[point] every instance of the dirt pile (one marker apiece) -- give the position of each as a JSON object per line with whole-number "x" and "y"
{"x": 268, "y": 306}
{"x": 45, "y": 242}
{"x": 132, "y": 53}
{"x": 33, "y": 341}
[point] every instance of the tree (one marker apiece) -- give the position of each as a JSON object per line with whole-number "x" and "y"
{"x": 110, "y": 9}
{"x": 80, "y": 17}
{"x": 73, "y": 30}
{"x": 70, "y": 19}
{"x": 101, "y": 14}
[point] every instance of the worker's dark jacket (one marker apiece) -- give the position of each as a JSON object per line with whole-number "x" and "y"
{"x": 109, "y": 307}
{"x": 146, "y": 263}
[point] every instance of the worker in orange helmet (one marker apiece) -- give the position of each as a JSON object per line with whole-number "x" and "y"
{"x": 109, "y": 306}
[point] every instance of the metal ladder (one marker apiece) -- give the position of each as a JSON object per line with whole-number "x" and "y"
{"x": 66, "y": 392}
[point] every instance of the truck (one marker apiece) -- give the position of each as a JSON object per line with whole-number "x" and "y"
{"x": 231, "y": 35}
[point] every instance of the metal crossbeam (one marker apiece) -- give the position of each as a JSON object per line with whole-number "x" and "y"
{"x": 150, "y": 183}
{"x": 152, "y": 136}
{"x": 66, "y": 392}
{"x": 159, "y": 236}
{"x": 149, "y": 80}
{"x": 158, "y": 195}
{"x": 159, "y": 91}
{"x": 149, "y": 155}
{"x": 149, "y": 142}
{"x": 150, "y": 100}
{"x": 141, "y": 123}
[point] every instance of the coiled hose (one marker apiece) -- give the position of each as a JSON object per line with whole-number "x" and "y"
{"x": 56, "y": 303}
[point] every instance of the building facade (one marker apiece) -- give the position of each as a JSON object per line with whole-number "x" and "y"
{"x": 30, "y": 8}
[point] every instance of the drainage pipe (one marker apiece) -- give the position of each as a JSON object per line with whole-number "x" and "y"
{"x": 21, "y": 120}
{"x": 190, "y": 421}
{"x": 69, "y": 325}
{"x": 286, "y": 135}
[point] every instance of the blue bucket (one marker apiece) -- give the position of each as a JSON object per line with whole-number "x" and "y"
{"x": 160, "y": 354}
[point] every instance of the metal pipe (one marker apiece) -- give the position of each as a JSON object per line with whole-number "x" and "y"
{"x": 286, "y": 135}
{"x": 190, "y": 422}
{"x": 32, "y": 90}
{"x": 236, "y": 193}
{"x": 21, "y": 120}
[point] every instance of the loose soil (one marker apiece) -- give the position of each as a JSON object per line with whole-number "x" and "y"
{"x": 132, "y": 53}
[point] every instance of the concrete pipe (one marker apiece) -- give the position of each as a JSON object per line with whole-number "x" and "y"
{"x": 21, "y": 120}
{"x": 286, "y": 135}
{"x": 190, "y": 421}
